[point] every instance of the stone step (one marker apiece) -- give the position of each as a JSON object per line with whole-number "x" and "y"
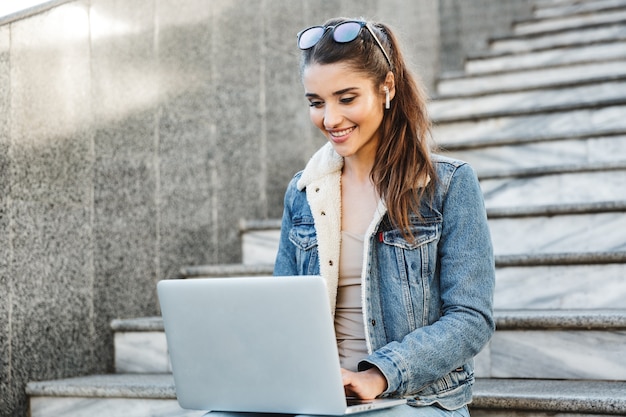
{"x": 576, "y": 7}
{"x": 547, "y": 234}
{"x": 597, "y": 17}
{"x": 554, "y": 99}
{"x": 262, "y": 248}
{"x": 580, "y": 330}
{"x": 560, "y": 186}
{"x": 581, "y": 233}
{"x": 559, "y": 259}
{"x": 233, "y": 270}
{"x": 538, "y": 4}
{"x": 257, "y": 234}
{"x": 556, "y": 344}
{"x": 497, "y": 61}
{"x": 524, "y": 128}
{"x": 140, "y": 346}
{"x": 541, "y": 4}
{"x": 542, "y": 398}
{"x": 154, "y": 396}
{"x": 588, "y": 280}
{"x": 122, "y": 395}
{"x": 549, "y": 40}
{"x": 553, "y": 210}
{"x": 583, "y": 286}
{"x": 563, "y": 205}
{"x": 533, "y": 155}
{"x": 563, "y": 76}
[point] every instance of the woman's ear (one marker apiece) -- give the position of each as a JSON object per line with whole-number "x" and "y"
{"x": 390, "y": 83}
{"x": 389, "y": 89}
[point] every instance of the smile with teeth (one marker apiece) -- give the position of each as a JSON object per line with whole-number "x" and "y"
{"x": 340, "y": 133}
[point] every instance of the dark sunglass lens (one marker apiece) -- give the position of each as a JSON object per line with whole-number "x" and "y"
{"x": 310, "y": 37}
{"x": 346, "y": 32}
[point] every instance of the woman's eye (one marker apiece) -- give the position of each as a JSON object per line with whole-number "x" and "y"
{"x": 316, "y": 104}
{"x": 346, "y": 100}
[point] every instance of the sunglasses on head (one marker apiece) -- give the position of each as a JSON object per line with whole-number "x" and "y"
{"x": 342, "y": 33}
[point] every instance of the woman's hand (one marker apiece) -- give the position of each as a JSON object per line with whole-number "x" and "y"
{"x": 366, "y": 385}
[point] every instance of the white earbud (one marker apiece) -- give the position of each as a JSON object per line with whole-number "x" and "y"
{"x": 387, "y": 101}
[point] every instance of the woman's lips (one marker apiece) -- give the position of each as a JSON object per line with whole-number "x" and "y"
{"x": 340, "y": 135}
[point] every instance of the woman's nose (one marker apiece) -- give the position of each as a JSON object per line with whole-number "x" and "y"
{"x": 332, "y": 117}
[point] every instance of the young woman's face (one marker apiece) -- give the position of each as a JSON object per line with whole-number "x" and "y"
{"x": 346, "y": 106}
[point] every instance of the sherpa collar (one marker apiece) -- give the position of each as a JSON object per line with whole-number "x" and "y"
{"x": 324, "y": 162}
{"x": 322, "y": 180}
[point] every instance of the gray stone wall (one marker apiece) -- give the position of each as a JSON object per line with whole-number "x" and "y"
{"x": 467, "y": 25}
{"x": 133, "y": 138}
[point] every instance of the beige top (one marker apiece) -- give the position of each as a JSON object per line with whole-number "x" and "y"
{"x": 349, "y": 327}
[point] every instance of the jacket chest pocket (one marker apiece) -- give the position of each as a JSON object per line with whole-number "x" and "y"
{"x": 304, "y": 238}
{"x": 424, "y": 232}
{"x": 407, "y": 272}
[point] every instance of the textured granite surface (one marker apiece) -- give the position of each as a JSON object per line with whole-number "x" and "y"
{"x": 592, "y": 397}
{"x": 6, "y": 394}
{"x": 110, "y": 407}
{"x": 500, "y": 61}
{"x": 480, "y": 20}
{"x": 585, "y": 150}
{"x": 538, "y": 234}
{"x": 557, "y": 209}
{"x": 144, "y": 352}
{"x": 159, "y": 386}
{"x": 533, "y": 78}
{"x": 125, "y": 169}
{"x": 188, "y": 172}
{"x": 556, "y": 23}
{"x": 229, "y": 270}
{"x": 535, "y": 101}
{"x": 553, "y": 343}
{"x": 561, "y": 287}
{"x": 238, "y": 85}
{"x": 259, "y": 247}
{"x": 561, "y": 319}
{"x": 50, "y": 189}
{"x": 126, "y": 395}
{"x": 140, "y": 346}
{"x": 563, "y": 396}
{"x": 19, "y": 12}
{"x": 559, "y": 234}
{"x": 566, "y": 188}
{"x": 561, "y": 39}
{"x": 559, "y": 259}
{"x": 576, "y": 355}
{"x": 559, "y": 125}
{"x": 556, "y": 9}
{"x": 141, "y": 324}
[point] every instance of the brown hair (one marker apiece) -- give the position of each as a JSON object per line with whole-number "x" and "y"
{"x": 402, "y": 165}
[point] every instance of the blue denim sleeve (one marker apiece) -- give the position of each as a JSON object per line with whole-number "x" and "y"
{"x": 285, "y": 263}
{"x": 466, "y": 283}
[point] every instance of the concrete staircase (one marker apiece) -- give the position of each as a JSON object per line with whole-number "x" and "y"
{"x": 542, "y": 118}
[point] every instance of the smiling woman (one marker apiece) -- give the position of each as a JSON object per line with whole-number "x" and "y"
{"x": 399, "y": 233}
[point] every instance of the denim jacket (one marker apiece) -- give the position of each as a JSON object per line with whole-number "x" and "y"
{"x": 427, "y": 305}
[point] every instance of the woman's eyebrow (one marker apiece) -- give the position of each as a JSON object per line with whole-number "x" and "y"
{"x": 345, "y": 90}
{"x": 336, "y": 93}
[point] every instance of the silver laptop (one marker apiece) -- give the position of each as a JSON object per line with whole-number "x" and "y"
{"x": 255, "y": 344}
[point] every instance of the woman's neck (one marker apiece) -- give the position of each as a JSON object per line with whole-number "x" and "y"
{"x": 358, "y": 170}
{"x": 359, "y": 198}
